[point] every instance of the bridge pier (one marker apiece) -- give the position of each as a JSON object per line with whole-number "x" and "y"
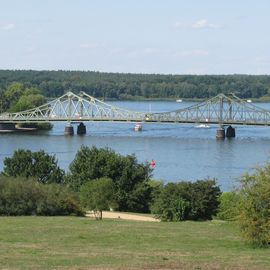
{"x": 230, "y": 132}
{"x": 81, "y": 129}
{"x": 69, "y": 130}
{"x": 220, "y": 133}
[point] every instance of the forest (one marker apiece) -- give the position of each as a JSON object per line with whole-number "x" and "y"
{"x": 136, "y": 86}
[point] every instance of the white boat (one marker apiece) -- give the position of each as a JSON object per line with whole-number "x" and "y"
{"x": 138, "y": 127}
{"x": 202, "y": 126}
{"x": 179, "y": 100}
{"x": 249, "y": 100}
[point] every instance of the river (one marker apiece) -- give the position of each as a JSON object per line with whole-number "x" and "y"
{"x": 180, "y": 151}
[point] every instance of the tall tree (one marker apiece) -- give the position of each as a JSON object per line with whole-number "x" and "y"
{"x": 127, "y": 174}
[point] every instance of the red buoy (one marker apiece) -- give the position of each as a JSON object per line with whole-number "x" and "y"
{"x": 152, "y": 164}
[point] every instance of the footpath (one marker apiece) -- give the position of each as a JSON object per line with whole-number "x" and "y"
{"x": 121, "y": 215}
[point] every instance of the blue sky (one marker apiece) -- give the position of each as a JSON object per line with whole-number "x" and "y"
{"x": 140, "y": 36}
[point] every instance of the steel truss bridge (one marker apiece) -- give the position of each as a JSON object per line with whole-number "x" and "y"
{"x": 222, "y": 110}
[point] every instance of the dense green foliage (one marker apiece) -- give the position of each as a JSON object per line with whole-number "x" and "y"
{"x": 105, "y": 179}
{"x": 98, "y": 195}
{"x": 130, "y": 178}
{"x": 187, "y": 201}
{"x": 27, "y": 197}
{"x": 254, "y": 208}
{"x": 39, "y": 165}
{"x": 122, "y": 86}
{"x": 228, "y": 205}
{"x": 18, "y": 97}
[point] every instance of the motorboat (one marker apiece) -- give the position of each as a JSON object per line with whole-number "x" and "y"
{"x": 138, "y": 127}
{"x": 179, "y": 100}
{"x": 249, "y": 100}
{"x": 202, "y": 126}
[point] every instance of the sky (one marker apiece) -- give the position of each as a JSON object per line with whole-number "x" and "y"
{"x": 136, "y": 36}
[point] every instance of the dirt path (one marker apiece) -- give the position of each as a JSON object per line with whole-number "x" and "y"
{"x": 121, "y": 215}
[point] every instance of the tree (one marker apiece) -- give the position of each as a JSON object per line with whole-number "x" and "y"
{"x": 98, "y": 195}
{"x": 26, "y": 102}
{"x": 37, "y": 165}
{"x": 254, "y": 207}
{"x": 4, "y": 104}
{"x": 17, "y": 97}
{"x": 128, "y": 176}
{"x": 13, "y": 93}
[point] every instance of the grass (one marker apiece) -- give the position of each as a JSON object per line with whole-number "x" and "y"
{"x": 82, "y": 243}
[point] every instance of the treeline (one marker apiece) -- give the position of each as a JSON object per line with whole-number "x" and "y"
{"x": 130, "y": 86}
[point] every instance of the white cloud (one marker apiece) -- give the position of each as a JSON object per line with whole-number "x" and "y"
{"x": 199, "y": 24}
{"x": 203, "y": 24}
{"x": 7, "y": 27}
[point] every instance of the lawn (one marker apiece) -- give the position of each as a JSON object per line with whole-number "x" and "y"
{"x": 82, "y": 243}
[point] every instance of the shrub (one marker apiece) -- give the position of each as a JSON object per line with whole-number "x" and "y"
{"x": 28, "y": 197}
{"x": 187, "y": 201}
{"x": 254, "y": 208}
{"x": 228, "y": 205}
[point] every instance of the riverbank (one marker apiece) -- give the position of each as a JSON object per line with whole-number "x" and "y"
{"x": 81, "y": 243}
{"x": 154, "y": 99}
{"x": 24, "y": 127}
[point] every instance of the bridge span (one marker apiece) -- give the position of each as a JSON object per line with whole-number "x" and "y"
{"x": 222, "y": 110}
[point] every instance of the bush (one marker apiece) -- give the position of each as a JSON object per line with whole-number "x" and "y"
{"x": 254, "y": 208}
{"x": 21, "y": 196}
{"x": 228, "y": 205}
{"x": 187, "y": 201}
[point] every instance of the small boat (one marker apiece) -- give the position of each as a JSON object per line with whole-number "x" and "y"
{"x": 249, "y": 100}
{"x": 202, "y": 126}
{"x": 138, "y": 127}
{"x": 179, "y": 100}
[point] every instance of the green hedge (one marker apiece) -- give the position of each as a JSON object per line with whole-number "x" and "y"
{"x": 20, "y": 196}
{"x": 187, "y": 201}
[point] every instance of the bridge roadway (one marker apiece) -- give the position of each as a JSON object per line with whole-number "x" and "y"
{"x": 78, "y": 120}
{"x": 220, "y": 110}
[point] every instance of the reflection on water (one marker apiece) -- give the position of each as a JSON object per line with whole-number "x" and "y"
{"x": 180, "y": 151}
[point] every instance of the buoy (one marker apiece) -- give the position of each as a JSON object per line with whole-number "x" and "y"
{"x": 152, "y": 164}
